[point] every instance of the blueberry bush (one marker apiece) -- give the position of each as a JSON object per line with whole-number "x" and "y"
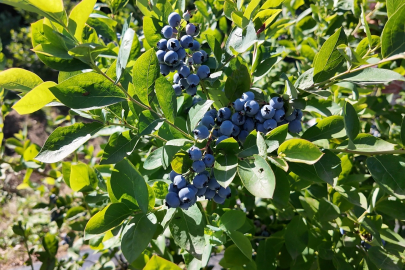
{"x": 268, "y": 132}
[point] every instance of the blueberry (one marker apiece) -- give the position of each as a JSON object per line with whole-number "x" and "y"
{"x": 213, "y": 184}
{"x": 209, "y": 160}
{"x": 212, "y": 113}
{"x": 193, "y": 80}
{"x": 216, "y": 133}
{"x": 184, "y": 84}
{"x": 186, "y": 194}
{"x": 184, "y": 71}
{"x": 205, "y": 55}
{"x": 191, "y": 90}
{"x": 167, "y": 31}
{"x": 292, "y": 116}
{"x": 342, "y": 232}
{"x": 279, "y": 115}
{"x": 162, "y": 44}
{"x": 198, "y": 166}
{"x": 265, "y": 234}
{"x": 226, "y": 128}
{"x": 259, "y": 118}
{"x": 193, "y": 188}
{"x": 173, "y": 44}
{"x": 251, "y": 107}
{"x": 186, "y": 41}
{"x": 208, "y": 121}
{"x": 195, "y": 48}
{"x": 224, "y": 114}
{"x": 172, "y": 200}
{"x": 209, "y": 194}
{"x": 243, "y": 135}
{"x": 194, "y": 153}
{"x": 174, "y": 19}
{"x": 182, "y": 54}
{"x": 224, "y": 192}
{"x": 164, "y": 69}
{"x": 248, "y": 96}
{"x": 220, "y": 139}
{"x": 295, "y": 126}
{"x": 239, "y": 104}
{"x": 201, "y": 191}
{"x": 190, "y": 61}
{"x": 218, "y": 199}
{"x": 201, "y": 132}
{"x": 277, "y": 103}
{"x": 175, "y": 32}
{"x": 179, "y": 182}
{"x": 200, "y": 180}
{"x": 203, "y": 72}
{"x": 171, "y": 58}
{"x": 299, "y": 115}
{"x": 177, "y": 89}
{"x": 260, "y": 128}
{"x": 172, "y": 188}
{"x": 185, "y": 206}
{"x": 235, "y": 131}
{"x": 197, "y": 58}
{"x": 187, "y": 16}
{"x": 176, "y": 78}
{"x": 191, "y": 29}
{"x": 238, "y": 119}
{"x": 249, "y": 125}
{"x": 267, "y": 112}
{"x": 270, "y": 124}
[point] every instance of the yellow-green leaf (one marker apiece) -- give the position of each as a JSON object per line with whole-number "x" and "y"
{"x": 36, "y": 99}
{"x": 78, "y": 17}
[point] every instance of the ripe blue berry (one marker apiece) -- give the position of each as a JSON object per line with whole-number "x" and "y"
{"x": 201, "y": 191}
{"x": 186, "y": 194}
{"x": 279, "y": 115}
{"x": 292, "y": 116}
{"x": 174, "y": 19}
{"x": 186, "y": 41}
{"x": 184, "y": 71}
{"x": 162, "y": 44}
{"x": 167, "y": 31}
{"x": 295, "y": 126}
{"x": 201, "y": 132}
{"x": 172, "y": 175}
{"x": 243, "y": 135}
{"x": 209, "y": 160}
{"x": 220, "y": 139}
{"x": 213, "y": 184}
{"x": 208, "y": 121}
{"x": 172, "y": 188}
{"x": 224, "y": 114}
{"x": 238, "y": 119}
{"x": 184, "y": 84}
{"x": 164, "y": 69}
{"x": 251, "y": 107}
{"x": 203, "y": 72}
{"x": 179, "y": 182}
{"x": 172, "y": 200}
{"x": 282, "y": 123}
{"x": 235, "y": 131}
{"x": 198, "y": 166}
{"x": 218, "y": 199}
{"x": 191, "y": 29}
{"x": 249, "y": 125}
{"x": 226, "y": 128}
{"x": 259, "y": 118}
{"x": 270, "y": 124}
{"x": 182, "y": 54}
{"x": 299, "y": 115}
{"x": 175, "y": 32}
{"x": 196, "y": 47}
{"x": 190, "y": 61}
{"x": 161, "y": 56}
{"x": 173, "y": 44}
{"x": 267, "y": 112}
{"x": 209, "y": 194}
{"x": 200, "y": 180}
{"x": 212, "y": 113}
{"x": 177, "y": 89}
{"x": 193, "y": 80}
{"x": 248, "y": 96}
{"x": 260, "y": 128}
{"x": 205, "y": 55}
{"x": 239, "y": 104}
{"x": 198, "y": 57}
{"x": 194, "y": 188}
{"x": 192, "y": 91}
{"x": 187, "y": 16}
{"x": 224, "y": 192}
{"x": 176, "y": 78}
{"x": 194, "y": 153}
{"x": 277, "y": 103}
{"x": 342, "y": 232}
{"x": 171, "y": 58}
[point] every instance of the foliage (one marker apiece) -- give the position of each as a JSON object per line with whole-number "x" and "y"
{"x": 329, "y": 197}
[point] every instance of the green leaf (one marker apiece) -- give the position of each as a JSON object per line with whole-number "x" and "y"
{"x": 257, "y": 176}
{"x": 50, "y": 243}
{"x": 242, "y": 242}
{"x": 232, "y": 220}
{"x": 128, "y": 185}
{"x": 403, "y": 131}
{"x": 145, "y": 72}
{"x": 241, "y": 39}
{"x": 383, "y": 259}
{"x": 276, "y": 137}
{"x": 157, "y": 263}
{"x": 197, "y": 112}
{"x": 148, "y": 123}
{"x": 234, "y": 256}
{"x": 111, "y": 216}
{"x": 329, "y": 59}
{"x": 365, "y": 142}
{"x": 19, "y": 79}
{"x": 393, "y": 34}
{"x": 393, "y": 6}
{"x": 202, "y": 7}
{"x": 328, "y": 168}
{"x": 103, "y": 25}
{"x": 152, "y": 28}
{"x": 391, "y": 208}
{"x": 215, "y": 48}
{"x": 282, "y": 192}
{"x": 296, "y": 236}
{"x": 78, "y": 17}
{"x": 265, "y": 17}
{"x": 137, "y": 235}
{"x": 124, "y": 52}
{"x": 225, "y": 167}
{"x": 352, "y": 58}
{"x": 119, "y": 146}
{"x": 372, "y": 76}
{"x": 325, "y": 128}
{"x": 289, "y": 88}
{"x": 166, "y": 98}
{"x": 143, "y": 6}
{"x": 181, "y": 163}
{"x": 87, "y": 91}
{"x": 154, "y": 160}
{"x": 82, "y": 178}
{"x": 65, "y": 140}
{"x": 299, "y": 150}
{"x": 352, "y": 123}
{"x": 387, "y": 170}
{"x": 74, "y": 211}
{"x": 117, "y": 5}
{"x": 238, "y": 83}
{"x": 35, "y": 99}
{"x": 271, "y": 4}
{"x": 228, "y": 146}
{"x": 364, "y": 45}
{"x": 327, "y": 210}
{"x": 170, "y": 149}
{"x": 265, "y": 67}
{"x": 187, "y": 229}
{"x": 305, "y": 80}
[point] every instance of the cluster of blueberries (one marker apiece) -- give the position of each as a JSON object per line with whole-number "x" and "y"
{"x": 183, "y": 194}
{"x": 172, "y": 55}
{"x": 247, "y": 116}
